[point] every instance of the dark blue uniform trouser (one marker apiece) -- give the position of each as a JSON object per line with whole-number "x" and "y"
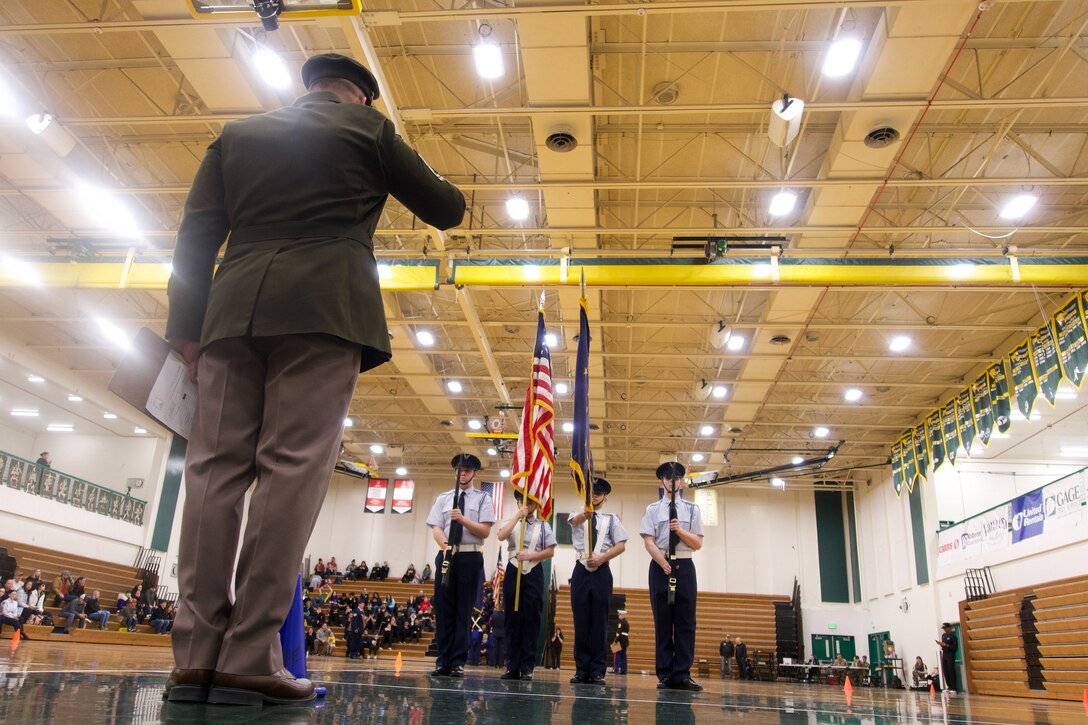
{"x": 619, "y": 662}
{"x": 523, "y": 624}
{"x": 455, "y": 602}
{"x": 590, "y": 593}
{"x": 674, "y": 626}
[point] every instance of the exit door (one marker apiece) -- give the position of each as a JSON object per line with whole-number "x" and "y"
{"x": 828, "y": 646}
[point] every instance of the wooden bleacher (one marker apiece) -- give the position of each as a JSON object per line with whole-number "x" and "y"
{"x": 998, "y": 655}
{"x": 748, "y": 616}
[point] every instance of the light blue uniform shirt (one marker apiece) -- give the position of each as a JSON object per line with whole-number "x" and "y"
{"x": 533, "y": 537}
{"x": 615, "y": 534}
{"x": 656, "y": 522}
{"x": 478, "y": 508}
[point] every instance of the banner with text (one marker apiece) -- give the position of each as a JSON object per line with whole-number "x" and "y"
{"x": 403, "y": 492}
{"x": 375, "y": 495}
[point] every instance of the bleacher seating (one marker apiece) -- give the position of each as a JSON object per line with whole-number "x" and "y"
{"x": 748, "y": 616}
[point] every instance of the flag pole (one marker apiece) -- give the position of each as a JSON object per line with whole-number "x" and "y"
{"x": 532, "y": 448}
{"x": 517, "y": 587}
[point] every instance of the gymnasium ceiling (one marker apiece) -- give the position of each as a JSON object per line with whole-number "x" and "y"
{"x": 668, "y": 103}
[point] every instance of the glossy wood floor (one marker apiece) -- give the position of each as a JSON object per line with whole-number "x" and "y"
{"x": 49, "y": 682}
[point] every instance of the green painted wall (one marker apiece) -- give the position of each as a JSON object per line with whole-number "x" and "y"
{"x": 917, "y": 525}
{"x": 831, "y": 544}
{"x": 168, "y": 498}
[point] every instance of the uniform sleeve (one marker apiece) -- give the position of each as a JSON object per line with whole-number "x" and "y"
{"x": 487, "y": 509}
{"x": 549, "y": 536}
{"x": 203, "y": 229}
{"x": 618, "y": 532}
{"x": 649, "y": 526}
{"x": 415, "y": 184}
{"x": 696, "y": 520}
{"x": 437, "y": 516}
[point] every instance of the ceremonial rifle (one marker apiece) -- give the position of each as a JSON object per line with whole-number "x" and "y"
{"x": 673, "y": 539}
{"x": 446, "y": 553}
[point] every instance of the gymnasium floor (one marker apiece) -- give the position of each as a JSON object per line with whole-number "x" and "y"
{"x": 47, "y": 682}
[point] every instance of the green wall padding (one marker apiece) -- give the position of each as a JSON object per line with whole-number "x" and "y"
{"x": 831, "y": 544}
{"x": 171, "y": 487}
{"x": 921, "y": 563}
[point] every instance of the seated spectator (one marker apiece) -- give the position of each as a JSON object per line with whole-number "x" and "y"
{"x": 127, "y": 613}
{"x": 150, "y": 600}
{"x": 162, "y": 618}
{"x": 75, "y": 610}
{"x": 77, "y": 589}
{"x": 319, "y": 567}
{"x": 409, "y": 574}
{"x": 362, "y": 572}
{"x": 349, "y": 571}
{"x": 332, "y": 567}
{"x": 22, "y": 596}
{"x": 36, "y": 604}
{"x": 35, "y": 578}
{"x": 94, "y": 610}
{"x": 426, "y": 575}
{"x": 322, "y": 640}
{"x": 60, "y": 587}
{"x": 311, "y": 639}
{"x": 11, "y": 614}
{"x": 920, "y": 672}
{"x": 316, "y": 580}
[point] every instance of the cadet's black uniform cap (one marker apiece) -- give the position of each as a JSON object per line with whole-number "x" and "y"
{"x": 334, "y": 65}
{"x": 671, "y": 469}
{"x": 466, "y": 461}
{"x": 602, "y": 486}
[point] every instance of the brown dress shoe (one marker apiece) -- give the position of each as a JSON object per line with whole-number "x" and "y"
{"x": 281, "y": 688}
{"x": 188, "y": 685}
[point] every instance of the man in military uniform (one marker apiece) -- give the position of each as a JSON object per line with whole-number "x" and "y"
{"x": 276, "y": 343}
{"x": 671, "y": 532}
{"x": 460, "y": 521}
{"x": 591, "y": 584}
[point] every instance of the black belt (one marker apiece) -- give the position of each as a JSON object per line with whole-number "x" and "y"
{"x": 293, "y": 230}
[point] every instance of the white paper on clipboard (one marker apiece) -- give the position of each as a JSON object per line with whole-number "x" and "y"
{"x": 173, "y": 397}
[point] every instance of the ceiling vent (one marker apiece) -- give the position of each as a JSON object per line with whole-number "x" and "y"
{"x": 881, "y": 137}
{"x": 561, "y": 141}
{"x": 780, "y": 340}
{"x": 665, "y": 93}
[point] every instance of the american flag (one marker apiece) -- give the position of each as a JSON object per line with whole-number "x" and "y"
{"x": 535, "y": 453}
{"x": 495, "y": 490}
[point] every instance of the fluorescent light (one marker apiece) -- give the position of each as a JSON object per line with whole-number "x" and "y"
{"x": 706, "y": 430}
{"x": 402, "y": 471}
{"x": 38, "y": 122}
{"x": 1066, "y": 395}
{"x": 841, "y": 58}
{"x": 899, "y": 343}
{"x": 8, "y": 104}
{"x": 24, "y": 412}
{"x": 568, "y": 427}
{"x": 114, "y": 334}
{"x": 782, "y": 203}
{"x": 73, "y": 398}
{"x": 110, "y": 416}
{"x": 271, "y": 68}
{"x": 517, "y": 208}
{"x": 736, "y": 342}
{"x": 550, "y": 339}
{"x": 377, "y": 449}
{"x": 797, "y": 460}
{"x": 489, "y": 63}
{"x": 697, "y": 457}
{"x": 475, "y": 424}
{"x": 853, "y": 395}
{"x": 35, "y": 379}
{"x": 454, "y": 386}
{"x": 719, "y": 391}
{"x": 492, "y": 452}
{"x": 60, "y": 428}
{"x": 1075, "y": 451}
{"x": 425, "y": 338}
{"x": 505, "y": 473}
{"x": 20, "y": 271}
{"x": 139, "y": 431}
{"x": 109, "y": 211}
{"x": 820, "y": 431}
{"x": 561, "y": 388}
{"x": 998, "y": 435}
{"x": 348, "y": 422}
{"x": 1018, "y": 206}
{"x": 778, "y": 483}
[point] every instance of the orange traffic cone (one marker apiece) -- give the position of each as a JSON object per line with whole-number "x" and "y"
{"x": 848, "y": 689}
{"x": 932, "y": 690}
{"x": 399, "y": 663}
{"x": 18, "y": 635}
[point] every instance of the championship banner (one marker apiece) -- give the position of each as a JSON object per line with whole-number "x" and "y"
{"x": 998, "y": 383}
{"x": 935, "y": 435}
{"x": 1069, "y": 335}
{"x": 375, "y": 495}
{"x": 984, "y": 413}
{"x": 921, "y": 455}
{"x": 965, "y": 419}
{"x": 1024, "y": 382}
{"x": 404, "y": 490}
{"x": 910, "y": 463}
{"x": 950, "y": 431}
{"x": 1044, "y": 360}
{"x": 897, "y": 467}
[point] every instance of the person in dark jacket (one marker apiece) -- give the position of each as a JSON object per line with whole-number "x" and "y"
{"x": 725, "y": 650}
{"x": 275, "y": 343}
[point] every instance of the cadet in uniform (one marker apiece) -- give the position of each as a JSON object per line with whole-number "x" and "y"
{"x": 459, "y": 524}
{"x": 591, "y": 585}
{"x": 674, "y": 624}
{"x": 523, "y": 620}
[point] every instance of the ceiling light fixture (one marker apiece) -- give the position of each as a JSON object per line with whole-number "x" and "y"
{"x": 707, "y": 430}
{"x": 782, "y": 203}
{"x": 568, "y": 427}
{"x": 551, "y": 340}
{"x": 489, "y": 62}
{"x": 475, "y": 424}
{"x": 852, "y": 395}
{"x": 1018, "y": 206}
{"x": 697, "y": 457}
{"x": 38, "y": 122}
{"x": 35, "y": 379}
{"x": 797, "y": 460}
{"x": 841, "y": 58}
{"x": 272, "y": 69}
{"x": 778, "y": 483}
{"x": 899, "y": 343}
{"x": 820, "y": 431}
{"x": 402, "y": 471}
{"x": 377, "y": 449}
{"x": 505, "y": 473}
{"x": 517, "y": 208}
{"x": 139, "y": 431}
{"x": 719, "y": 391}
{"x": 561, "y": 388}
{"x": 110, "y": 416}
{"x": 60, "y": 428}
{"x": 1075, "y": 451}
{"x": 348, "y": 422}
{"x": 73, "y": 398}
{"x": 1066, "y": 395}
{"x": 24, "y": 412}
{"x": 107, "y": 210}
{"x": 113, "y": 333}
{"x": 492, "y": 452}
{"x": 19, "y": 271}
{"x": 735, "y": 342}
{"x": 425, "y": 338}
{"x": 454, "y": 386}
{"x": 785, "y": 121}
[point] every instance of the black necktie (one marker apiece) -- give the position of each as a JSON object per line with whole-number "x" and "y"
{"x": 674, "y": 538}
{"x": 456, "y": 529}
{"x": 596, "y": 532}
